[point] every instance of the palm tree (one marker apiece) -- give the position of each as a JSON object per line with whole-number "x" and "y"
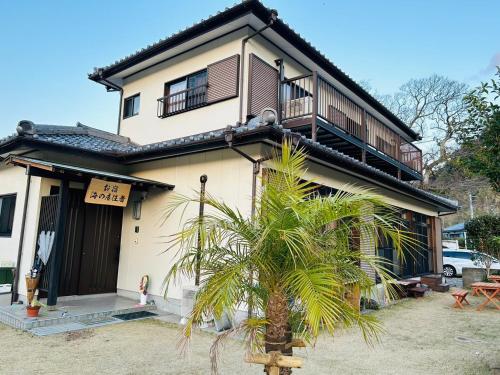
{"x": 294, "y": 261}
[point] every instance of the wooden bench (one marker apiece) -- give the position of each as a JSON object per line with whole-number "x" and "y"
{"x": 459, "y": 296}
{"x": 417, "y": 291}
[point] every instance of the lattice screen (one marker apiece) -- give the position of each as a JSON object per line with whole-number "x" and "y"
{"x": 223, "y": 77}
{"x": 262, "y": 86}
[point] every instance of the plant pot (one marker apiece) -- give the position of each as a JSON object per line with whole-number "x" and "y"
{"x": 144, "y": 299}
{"x": 32, "y": 312}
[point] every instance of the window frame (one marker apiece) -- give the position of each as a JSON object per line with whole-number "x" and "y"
{"x": 166, "y": 92}
{"x": 10, "y": 224}
{"x": 131, "y": 98}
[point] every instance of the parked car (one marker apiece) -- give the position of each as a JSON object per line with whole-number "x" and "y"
{"x": 454, "y": 260}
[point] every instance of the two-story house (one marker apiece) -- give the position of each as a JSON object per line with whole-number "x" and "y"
{"x": 212, "y": 100}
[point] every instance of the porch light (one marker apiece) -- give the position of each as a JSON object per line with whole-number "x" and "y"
{"x": 136, "y": 209}
{"x": 137, "y": 204}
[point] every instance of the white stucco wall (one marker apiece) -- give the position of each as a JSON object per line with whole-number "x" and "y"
{"x": 229, "y": 178}
{"x": 146, "y": 127}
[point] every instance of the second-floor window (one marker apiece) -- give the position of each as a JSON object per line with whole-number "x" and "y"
{"x": 7, "y": 208}
{"x": 186, "y": 93}
{"x": 131, "y": 106}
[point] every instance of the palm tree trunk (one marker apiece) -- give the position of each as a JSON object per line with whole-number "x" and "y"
{"x": 278, "y": 330}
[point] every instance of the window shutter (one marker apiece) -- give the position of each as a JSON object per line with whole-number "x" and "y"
{"x": 262, "y": 86}
{"x": 367, "y": 243}
{"x": 223, "y": 77}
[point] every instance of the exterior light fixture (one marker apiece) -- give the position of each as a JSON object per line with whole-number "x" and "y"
{"x": 137, "y": 205}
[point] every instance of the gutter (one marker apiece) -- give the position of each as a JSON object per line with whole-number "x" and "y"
{"x": 15, "y": 287}
{"x": 110, "y": 86}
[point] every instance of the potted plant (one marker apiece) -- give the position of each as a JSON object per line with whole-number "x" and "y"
{"x": 33, "y": 308}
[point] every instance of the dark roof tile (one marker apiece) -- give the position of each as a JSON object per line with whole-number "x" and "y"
{"x": 85, "y": 138}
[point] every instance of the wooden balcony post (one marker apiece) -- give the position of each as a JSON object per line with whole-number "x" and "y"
{"x": 398, "y": 149}
{"x": 314, "y": 116}
{"x": 363, "y": 135}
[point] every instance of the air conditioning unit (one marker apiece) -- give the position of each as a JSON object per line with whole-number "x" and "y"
{"x": 298, "y": 107}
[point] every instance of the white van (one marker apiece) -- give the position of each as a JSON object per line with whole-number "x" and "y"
{"x": 455, "y": 260}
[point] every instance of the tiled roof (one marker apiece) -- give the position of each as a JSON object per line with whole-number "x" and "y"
{"x": 455, "y": 228}
{"x": 310, "y": 144}
{"x": 79, "y": 137}
{"x": 85, "y": 138}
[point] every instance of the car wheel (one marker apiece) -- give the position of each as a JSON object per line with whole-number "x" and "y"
{"x": 449, "y": 271}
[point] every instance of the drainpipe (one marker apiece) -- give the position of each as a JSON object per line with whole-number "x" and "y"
{"x": 229, "y": 133}
{"x": 15, "y": 286}
{"x": 119, "y": 112}
{"x": 281, "y": 66}
{"x": 274, "y": 17}
{"x": 203, "y": 182}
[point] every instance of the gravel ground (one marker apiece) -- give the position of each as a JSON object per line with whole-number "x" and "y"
{"x": 424, "y": 336}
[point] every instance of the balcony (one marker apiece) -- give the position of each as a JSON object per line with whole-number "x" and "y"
{"x": 182, "y": 101}
{"x": 315, "y": 108}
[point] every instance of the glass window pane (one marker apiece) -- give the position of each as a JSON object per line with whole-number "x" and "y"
{"x": 131, "y": 106}
{"x": 136, "y": 100}
{"x": 197, "y": 79}
{"x": 197, "y": 85}
{"x": 177, "y": 102}
{"x": 7, "y": 208}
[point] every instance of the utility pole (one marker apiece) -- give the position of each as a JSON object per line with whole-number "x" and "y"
{"x": 471, "y": 206}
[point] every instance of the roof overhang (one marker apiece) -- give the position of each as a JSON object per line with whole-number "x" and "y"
{"x": 44, "y": 168}
{"x": 273, "y": 135}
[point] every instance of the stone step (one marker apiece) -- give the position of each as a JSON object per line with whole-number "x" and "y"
{"x": 15, "y": 316}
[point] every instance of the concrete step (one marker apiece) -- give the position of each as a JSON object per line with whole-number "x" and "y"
{"x": 77, "y": 311}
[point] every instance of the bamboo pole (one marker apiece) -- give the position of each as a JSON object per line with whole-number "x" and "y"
{"x": 274, "y": 359}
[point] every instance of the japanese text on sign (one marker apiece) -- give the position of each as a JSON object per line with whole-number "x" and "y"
{"x": 107, "y": 193}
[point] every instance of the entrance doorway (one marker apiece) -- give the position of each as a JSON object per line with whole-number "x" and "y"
{"x": 91, "y": 245}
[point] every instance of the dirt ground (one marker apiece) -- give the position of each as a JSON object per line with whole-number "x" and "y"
{"x": 423, "y": 336}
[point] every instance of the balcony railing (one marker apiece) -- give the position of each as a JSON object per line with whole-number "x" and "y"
{"x": 310, "y": 95}
{"x": 182, "y": 101}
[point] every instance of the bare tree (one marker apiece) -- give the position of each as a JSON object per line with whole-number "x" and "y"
{"x": 434, "y": 108}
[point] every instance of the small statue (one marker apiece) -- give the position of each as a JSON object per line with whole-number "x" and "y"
{"x": 143, "y": 289}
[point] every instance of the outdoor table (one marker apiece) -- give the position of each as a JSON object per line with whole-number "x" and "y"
{"x": 490, "y": 291}
{"x": 495, "y": 278}
{"x": 407, "y": 284}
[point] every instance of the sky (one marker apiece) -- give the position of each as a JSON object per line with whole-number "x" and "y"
{"x": 47, "y": 48}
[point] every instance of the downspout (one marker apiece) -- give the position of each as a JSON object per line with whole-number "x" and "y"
{"x": 120, "y": 112}
{"x": 15, "y": 287}
{"x": 255, "y": 172}
{"x": 273, "y": 18}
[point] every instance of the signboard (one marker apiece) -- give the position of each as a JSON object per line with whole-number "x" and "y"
{"x": 107, "y": 193}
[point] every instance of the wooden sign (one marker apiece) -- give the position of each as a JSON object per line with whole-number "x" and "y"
{"x": 107, "y": 193}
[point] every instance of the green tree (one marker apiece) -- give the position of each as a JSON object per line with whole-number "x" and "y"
{"x": 295, "y": 260}
{"x": 483, "y": 232}
{"x": 480, "y": 136}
